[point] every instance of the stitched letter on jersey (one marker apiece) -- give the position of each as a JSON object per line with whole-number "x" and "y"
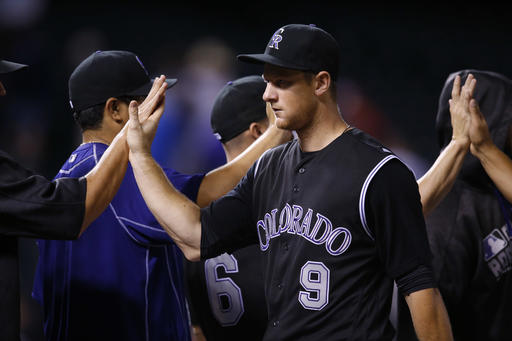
{"x": 292, "y": 220}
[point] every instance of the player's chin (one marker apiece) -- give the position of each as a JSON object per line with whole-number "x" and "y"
{"x": 283, "y": 124}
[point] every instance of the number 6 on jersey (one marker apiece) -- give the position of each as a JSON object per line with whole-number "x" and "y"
{"x": 224, "y": 295}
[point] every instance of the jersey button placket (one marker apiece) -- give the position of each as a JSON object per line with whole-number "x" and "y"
{"x": 296, "y": 188}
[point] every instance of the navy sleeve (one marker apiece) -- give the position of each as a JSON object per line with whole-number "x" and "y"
{"x": 227, "y": 224}
{"x": 35, "y": 207}
{"x": 133, "y": 213}
{"x": 395, "y": 215}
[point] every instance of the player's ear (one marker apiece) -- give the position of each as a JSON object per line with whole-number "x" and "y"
{"x": 322, "y": 82}
{"x": 256, "y": 129}
{"x": 112, "y": 109}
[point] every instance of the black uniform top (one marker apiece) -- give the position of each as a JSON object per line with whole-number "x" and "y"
{"x": 226, "y": 295}
{"x": 336, "y": 227}
{"x": 31, "y": 206}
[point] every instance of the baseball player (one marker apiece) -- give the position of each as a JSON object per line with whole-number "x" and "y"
{"x": 122, "y": 280}
{"x": 32, "y": 206}
{"x": 336, "y": 215}
{"x": 226, "y": 293}
{"x": 470, "y": 232}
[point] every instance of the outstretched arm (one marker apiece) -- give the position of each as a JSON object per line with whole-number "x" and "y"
{"x": 439, "y": 179}
{"x": 429, "y": 315}
{"x": 104, "y": 179}
{"x": 495, "y": 162}
{"x": 223, "y": 179}
{"x": 167, "y": 204}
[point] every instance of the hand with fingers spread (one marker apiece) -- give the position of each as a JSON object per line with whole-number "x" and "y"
{"x": 459, "y": 109}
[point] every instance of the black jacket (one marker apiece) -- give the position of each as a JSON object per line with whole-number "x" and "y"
{"x": 468, "y": 234}
{"x": 31, "y": 206}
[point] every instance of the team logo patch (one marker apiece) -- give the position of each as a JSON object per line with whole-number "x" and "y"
{"x": 276, "y": 39}
{"x": 72, "y": 158}
{"x": 493, "y": 244}
{"x": 497, "y": 251}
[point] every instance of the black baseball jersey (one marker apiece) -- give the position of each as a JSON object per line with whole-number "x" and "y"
{"x": 31, "y": 206}
{"x": 336, "y": 226}
{"x": 226, "y": 295}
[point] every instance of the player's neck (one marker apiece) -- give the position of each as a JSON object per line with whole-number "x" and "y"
{"x": 96, "y": 136}
{"x": 322, "y": 131}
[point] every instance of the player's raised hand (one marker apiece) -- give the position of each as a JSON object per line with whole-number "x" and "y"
{"x": 271, "y": 115}
{"x": 140, "y": 133}
{"x": 153, "y": 99}
{"x": 459, "y": 108}
{"x": 135, "y": 134}
{"x": 478, "y": 131}
{"x": 284, "y": 135}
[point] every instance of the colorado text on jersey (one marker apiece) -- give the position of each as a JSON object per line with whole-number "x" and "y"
{"x": 291, "y": 220}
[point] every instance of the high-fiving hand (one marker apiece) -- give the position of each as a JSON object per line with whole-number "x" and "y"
{"x": 460, "y": 109}
{"x": 144, "y": 118}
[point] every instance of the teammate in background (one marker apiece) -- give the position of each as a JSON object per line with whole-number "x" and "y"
{"x": 34, "y": 207}
{"x": 226, "y": 296}
{"x": 337, "y": 216}
{"x": 122, "y": 280}
{"x": 470, "y": 232}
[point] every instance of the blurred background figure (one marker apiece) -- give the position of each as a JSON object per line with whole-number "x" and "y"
{"x": 184, "y": 140}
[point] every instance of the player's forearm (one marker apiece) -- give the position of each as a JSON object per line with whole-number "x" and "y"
{"x": 439, "y": 179}
{"x": 104, "y": 179}
{"x": 429, "y": 315}
{"x": 179, "y": 216}
{"x": 498, "y": 166}
{"x": 223, "y": 179}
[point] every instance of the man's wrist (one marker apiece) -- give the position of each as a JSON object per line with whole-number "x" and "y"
{"x": 140, "y": 156}
{"x": 482, "y": 149}
{"x": 462, "y": 143}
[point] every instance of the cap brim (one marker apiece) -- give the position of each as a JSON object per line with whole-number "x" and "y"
{"x": 268, "y": 59}
{"x": 144, "y": 90}
{"x": 6, "y": 66}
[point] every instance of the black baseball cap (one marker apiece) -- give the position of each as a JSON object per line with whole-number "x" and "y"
{"x": 237, "y": 105}
{"x": 7, "y": 67}
{"x": 300, "y": 47}
{"x": 106, "y": 74}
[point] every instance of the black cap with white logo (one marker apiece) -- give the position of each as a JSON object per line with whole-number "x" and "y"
{"x": 7, "y": 67}
{"x": 237, "y": 105}
{"x": 106, "y": 74}
{"x": 300, "y": 47}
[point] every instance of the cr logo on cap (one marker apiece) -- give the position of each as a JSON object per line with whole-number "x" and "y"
{"x": 276, "y": 38}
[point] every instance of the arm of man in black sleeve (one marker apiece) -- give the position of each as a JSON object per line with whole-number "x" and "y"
{"x": 33, "y": 206}
{"x": 395, "y": 214}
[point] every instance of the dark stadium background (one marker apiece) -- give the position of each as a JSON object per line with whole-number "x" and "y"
{"x": 395, "y": 59}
